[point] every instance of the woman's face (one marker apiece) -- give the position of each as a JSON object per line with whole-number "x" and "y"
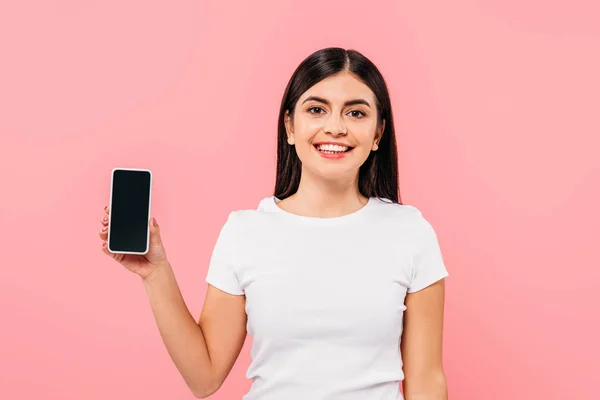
{"x": 334, "y": 127}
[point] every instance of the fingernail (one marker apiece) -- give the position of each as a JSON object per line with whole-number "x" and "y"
{"x": 105, "y": 219}
{"x": 104, "y": 244}
{"x": 154, "y": 222}
{"x": 104, "y": 229}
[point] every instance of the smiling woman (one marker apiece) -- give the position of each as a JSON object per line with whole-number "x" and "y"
{"x": 335, "y": 126}
{"x": 340, "y": 285}
{"x": 334, "y": 229}
{"x": 337, "y": 97}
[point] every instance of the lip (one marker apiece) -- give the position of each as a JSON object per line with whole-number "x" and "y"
{"x": 335, "y": 143}
{"x": 332, "y": 156}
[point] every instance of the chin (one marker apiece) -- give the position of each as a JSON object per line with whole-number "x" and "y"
{"x": 334, "y": 172}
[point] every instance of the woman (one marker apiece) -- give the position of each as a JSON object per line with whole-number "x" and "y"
{"x": 340, "y": 285}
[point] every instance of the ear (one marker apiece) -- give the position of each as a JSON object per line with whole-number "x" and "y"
{"x": 289, "y": 128}
{"x": 379, "y": 132}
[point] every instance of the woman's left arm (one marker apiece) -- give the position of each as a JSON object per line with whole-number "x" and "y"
{"x": 421, "y": 344}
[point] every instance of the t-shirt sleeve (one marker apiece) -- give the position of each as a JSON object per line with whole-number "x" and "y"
{"x": 428, "y": 264}
{"x": 222, "y": 267}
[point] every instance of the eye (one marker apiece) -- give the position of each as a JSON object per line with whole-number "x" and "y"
{"x": 317, "y": 110}
{"x": 362, "y": 114}
{"x": 314, "y": 108}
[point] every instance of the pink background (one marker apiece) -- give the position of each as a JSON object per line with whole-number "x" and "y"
{"x": 496, "y": 106}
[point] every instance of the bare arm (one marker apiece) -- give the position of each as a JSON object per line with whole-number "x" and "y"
{"x": 223, "y": 321}
{"x": 203, "y": 352}
{"x": 422, "y": 344}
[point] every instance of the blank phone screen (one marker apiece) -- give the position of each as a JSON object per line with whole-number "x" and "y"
{"x": 129, "y": 211}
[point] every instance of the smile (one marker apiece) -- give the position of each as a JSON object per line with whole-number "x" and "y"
{"x": 333, "y": 150}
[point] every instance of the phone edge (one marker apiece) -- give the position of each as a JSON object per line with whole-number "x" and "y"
{"x": 112, "y": 178}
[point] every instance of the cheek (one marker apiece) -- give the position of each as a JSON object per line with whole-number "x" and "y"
{"x": 361, "y": 154}
{"x": 304, "y": 135}
{"x": 365, "y": 141}
{"x": 301, "y": 143}
{"x": 303, "y": 149}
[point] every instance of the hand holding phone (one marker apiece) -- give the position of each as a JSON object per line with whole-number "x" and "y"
{"x": 129, "y": 235}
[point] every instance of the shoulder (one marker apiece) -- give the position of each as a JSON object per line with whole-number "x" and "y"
{"x": 405, "y": 213}
{"x": 404, "y": 220}
{"x": 243, "y": 220}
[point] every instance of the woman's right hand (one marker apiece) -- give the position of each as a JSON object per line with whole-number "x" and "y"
{"x": 142, "y": 265}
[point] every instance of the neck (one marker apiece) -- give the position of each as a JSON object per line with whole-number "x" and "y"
{"x": 326, "y": 199}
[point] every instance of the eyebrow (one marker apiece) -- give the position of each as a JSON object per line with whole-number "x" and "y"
{"x": 346, "y": 104}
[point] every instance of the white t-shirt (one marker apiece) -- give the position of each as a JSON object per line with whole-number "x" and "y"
{"x": 325, "y": 296}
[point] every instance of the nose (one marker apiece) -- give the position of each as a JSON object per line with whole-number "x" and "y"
{"x": 334, "y": 125}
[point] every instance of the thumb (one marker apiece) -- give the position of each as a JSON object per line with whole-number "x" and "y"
{"x": 154, "y": 231}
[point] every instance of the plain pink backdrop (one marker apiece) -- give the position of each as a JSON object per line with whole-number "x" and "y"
{"x": 496, "y": 106}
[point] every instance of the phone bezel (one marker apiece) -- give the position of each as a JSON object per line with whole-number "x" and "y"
{"x": 112, "y": 178}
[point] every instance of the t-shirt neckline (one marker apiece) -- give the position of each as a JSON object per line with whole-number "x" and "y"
{"x": 271, "y": 205}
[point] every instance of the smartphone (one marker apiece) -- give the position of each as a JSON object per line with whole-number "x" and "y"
{"x": 129, "y": 211}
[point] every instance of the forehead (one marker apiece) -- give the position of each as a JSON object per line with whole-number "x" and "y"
{"x": 339, "y": 88}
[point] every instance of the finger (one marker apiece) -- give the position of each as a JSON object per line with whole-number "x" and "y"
{"x": 154, "y": 231}
{"x": 105, "y": 216}
{"x": 117, "y": 256}
{"x": 108, "y": 253}
{"x": 103, "y": 234}
{"x": 105, "y": 249}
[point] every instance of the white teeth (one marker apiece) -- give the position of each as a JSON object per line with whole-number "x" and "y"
{"x": 332, "y": 147}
